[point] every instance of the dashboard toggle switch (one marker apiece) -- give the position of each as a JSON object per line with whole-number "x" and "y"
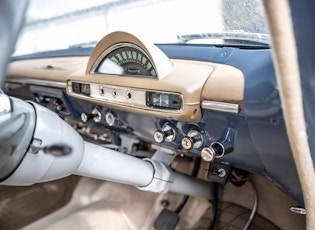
{"x": 193, "y": 140}
{"x": 167, "y": 133}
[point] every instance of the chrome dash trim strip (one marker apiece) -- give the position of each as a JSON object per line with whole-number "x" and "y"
{"x": 220, "y": 106}
{"x": 30, "y": 81}
{"x": 108, "y": 96}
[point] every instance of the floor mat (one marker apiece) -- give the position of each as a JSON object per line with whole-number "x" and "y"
{"x": 22, "y": 205}
{"x": 98, "y": 204}
{"x": 107, "y": 205}
{"x": 235, "y": 217}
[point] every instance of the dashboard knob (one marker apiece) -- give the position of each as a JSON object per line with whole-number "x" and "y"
{"x": 85, "y": 117}
{"x": 167, "y": 133}
{"x": 216, "y": 150}
{"x": 95, "y": 115}
{"x": 193, "y": 140}
{"x": 159, "y": 136}
{"x": 208, "y": 154}
{"x": 110, "y": 119}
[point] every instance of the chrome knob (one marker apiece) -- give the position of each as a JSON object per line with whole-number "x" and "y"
{"x": 216, "y": 150}
{"x": 85, "y": 117}
{"x": 110, "y": 119}
{"x": 159, "y": 136}
{"x": 193, "y": 140}
{"x": 95, "y": 115}
{"x": 167, "y": 133}
{"x": 208, "y": 154}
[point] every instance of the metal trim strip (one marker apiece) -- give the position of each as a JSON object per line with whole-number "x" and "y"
{"x": 40, "y": 82}
{"x": 220, "y": 106}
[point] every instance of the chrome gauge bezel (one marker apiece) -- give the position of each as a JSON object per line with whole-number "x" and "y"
{"x": 100, "y": 59}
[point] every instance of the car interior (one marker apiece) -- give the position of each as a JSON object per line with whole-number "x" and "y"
{"x": 209, "y": 129}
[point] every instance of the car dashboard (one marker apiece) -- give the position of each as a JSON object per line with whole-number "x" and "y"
{"x": 217, "y": 103}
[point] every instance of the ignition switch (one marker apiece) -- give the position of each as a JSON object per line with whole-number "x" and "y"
{"x": 193, "y": 140}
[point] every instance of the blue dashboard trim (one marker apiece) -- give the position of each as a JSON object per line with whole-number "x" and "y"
{"x": 263, "y": 114}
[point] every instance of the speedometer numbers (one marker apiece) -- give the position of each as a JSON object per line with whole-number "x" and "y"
{"x": 127, "y": 60}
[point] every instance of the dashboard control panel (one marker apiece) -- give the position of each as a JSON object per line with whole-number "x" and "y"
{"x": 129, "y": 74}
{"x": 127, "y": 96}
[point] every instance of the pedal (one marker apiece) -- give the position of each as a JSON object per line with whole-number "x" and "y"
{"x": 167, "y": 220}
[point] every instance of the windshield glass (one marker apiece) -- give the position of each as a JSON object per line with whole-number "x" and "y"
{"x": 59, "y": 24}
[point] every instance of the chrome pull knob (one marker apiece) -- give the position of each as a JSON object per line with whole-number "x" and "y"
{"x": 95, "y": 115}
{"x": 85, "y": 117}
{"x": 111, "y": 119}
{"x": 167, "y": 133}
{"x": 216, "y": 150}
{"x": 208, "y": 154}
{"x": 193, "y": 140}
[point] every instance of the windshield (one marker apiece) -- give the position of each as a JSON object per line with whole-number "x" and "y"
{"x": 59, "y": 24}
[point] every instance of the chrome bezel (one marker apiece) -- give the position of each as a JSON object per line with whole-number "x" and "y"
{"x": 115, "y": 47}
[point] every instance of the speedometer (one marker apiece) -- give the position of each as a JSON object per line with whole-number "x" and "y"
{"x": 127, "y": 60}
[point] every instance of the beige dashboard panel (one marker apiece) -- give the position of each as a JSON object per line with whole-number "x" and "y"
{"x": 186, "y": 79}
{"x": 226, "y": 84}
{"x": 197, "y": 83}
{"x": 48, "y": 69}
{"x": 194, "y": 82}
